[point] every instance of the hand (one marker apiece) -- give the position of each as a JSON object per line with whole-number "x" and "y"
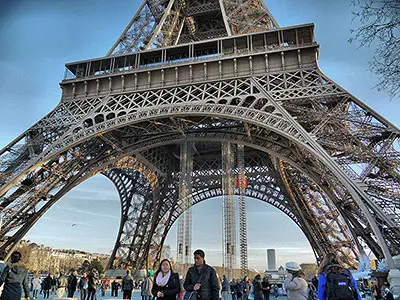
{"x": 160, "y": 294}
{"x": 289, "y": 276}
{"x": 197, "y": 286}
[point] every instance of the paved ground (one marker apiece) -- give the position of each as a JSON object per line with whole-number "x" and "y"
{"x": 135, "y": 296}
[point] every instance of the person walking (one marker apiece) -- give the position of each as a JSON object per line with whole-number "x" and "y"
{"x": 72, "y": 283}
{"x": 47, "y": 286}
{"x": 266, "y": 288}
{"x": 36, "y": 286}
{"x": 245, "y": 288}
{"x": 92, "y": 284}
{"x": 330, "y": 271}
{"x": 295, "y": 285}
{"x": 276, "y": 291}
{"x": 202, "y": 278}
{"x": 166, "y": 285}
{"x": 83, "y": 286}
{"x": 225, "y": 288}
{"x": 15, "y": 278}
{"x": 257, "y": 288}
{"x": 62, "y": 283}
{"x": 127, "y": 285}
{"x": 147, "y": 286}
{"x": 114, "y": 288}
{"x": 53, "y": 284}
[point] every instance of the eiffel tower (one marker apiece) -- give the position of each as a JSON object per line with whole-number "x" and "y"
{"x": 219, "y": 83}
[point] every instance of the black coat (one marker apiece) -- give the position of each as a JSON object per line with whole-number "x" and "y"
{"x": 258, "y": 293}
{"x": 14, "y": 278}
{"x": 170, "y": 290}
{"x": 72, "y": 282}
{"x": 209, "y": 289}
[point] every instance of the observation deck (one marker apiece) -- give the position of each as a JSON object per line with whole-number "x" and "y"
{"x": 222, "y": 58}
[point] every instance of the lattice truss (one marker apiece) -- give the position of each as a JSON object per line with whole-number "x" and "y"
{"x": 160, "y": 23}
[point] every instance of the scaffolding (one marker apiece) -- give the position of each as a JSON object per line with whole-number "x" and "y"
{"x": 184, "y": 239}
{"x": 241, "y": 185}
{"x": 228, "y": 210}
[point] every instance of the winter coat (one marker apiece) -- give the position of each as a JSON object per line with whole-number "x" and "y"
{"x": 297, "y": 288}
{"x": 257, "y": 290}
{"x": 14, "y": 277}
{"x": 93, "y": 280}
{"x": 225, "y": 285}
{"x": 47, "y": 283}
{"x": 127, "y": 283}
{"x": 62, "y": 282}
{"x": 209, "y": 289}
{"x": 170, "y": 290}
{"x": 72, "y": 282}
{"x": 36, "y": 283}
{"x": 147, "y": 286}
{"x": 266, "y": 287}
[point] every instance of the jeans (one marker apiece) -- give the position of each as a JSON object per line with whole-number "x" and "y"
{"x": 225, "y": 295}
{"x": 83, "y": 294}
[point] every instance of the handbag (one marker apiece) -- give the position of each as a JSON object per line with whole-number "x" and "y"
{"x": 190, "y": 295}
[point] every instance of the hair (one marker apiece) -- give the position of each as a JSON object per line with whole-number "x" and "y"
{"x": 159, "y": 267}
{"x": 199, "y": 252}
{"x": 16, "y": 257}
{"x": 329, "y": 259}
{"x": 258, "y": 277}
{"x": 244, "y": 278}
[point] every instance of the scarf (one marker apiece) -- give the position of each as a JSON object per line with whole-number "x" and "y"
{"x": 163, "y": 280}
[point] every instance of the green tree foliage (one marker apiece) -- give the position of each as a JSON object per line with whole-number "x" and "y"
{"x": 379, "y": 25}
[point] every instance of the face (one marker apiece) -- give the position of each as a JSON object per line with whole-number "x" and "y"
{"x": 165, "y": 267}
{"x": 85, "y": 274}
{"x": 198, "y": 260}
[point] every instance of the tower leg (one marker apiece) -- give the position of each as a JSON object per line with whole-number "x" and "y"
{"x": 242, "y": 212}
{"x": 229, "y": 210}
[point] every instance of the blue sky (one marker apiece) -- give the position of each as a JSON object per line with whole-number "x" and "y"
{"x": 39, "y": 37}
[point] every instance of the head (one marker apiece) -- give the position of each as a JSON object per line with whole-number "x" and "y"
{"x": 84, "y": 274}
{"x": 164, "y": 267}
{"x": 385, "y": 286}
{"x": 128, "y": 272}
{"x": 258, "y": 277}
{"x": 15, "y": 257}
{"x": 265, "y": 279}
{"x": 302, "y": 274}
{"x": 2, "y": 255}
{"x": 329, "y": 259}
{"x": 246, "y": 278}
{"x": 199, "y": 257}
{"x": 223, "y": 277}
{"x": 293, "y": 268}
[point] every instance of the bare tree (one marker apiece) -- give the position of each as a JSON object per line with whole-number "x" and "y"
{"x": 379, "y": 25}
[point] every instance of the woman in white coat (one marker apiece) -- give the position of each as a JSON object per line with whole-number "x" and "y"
{"x": 295, "y": 285}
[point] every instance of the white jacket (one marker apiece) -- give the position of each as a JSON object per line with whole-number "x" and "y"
{"x": 297, "y": 288}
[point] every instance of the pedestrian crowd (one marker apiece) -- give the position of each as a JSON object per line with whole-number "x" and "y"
{"x": 334, "y": 282}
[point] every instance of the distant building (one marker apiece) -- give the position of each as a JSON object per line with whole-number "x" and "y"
{"x": 271, "y": 260}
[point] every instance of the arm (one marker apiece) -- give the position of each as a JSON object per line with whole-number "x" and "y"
{"x": 4, "y": 275}
{"x": 25, "y": 285}
{"x": 188, "y": 284}
{"x": 214, "y": 285}
{"x": 290, "y": 284}
{"x": 356, "y": 287}
{"x": 321, "y": 287}
{"x": 155, "y": 289}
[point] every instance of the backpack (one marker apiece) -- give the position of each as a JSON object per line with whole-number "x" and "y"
{"x": 339, "y": 285}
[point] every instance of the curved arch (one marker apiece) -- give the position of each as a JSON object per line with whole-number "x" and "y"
{"x": 253, "y": 144}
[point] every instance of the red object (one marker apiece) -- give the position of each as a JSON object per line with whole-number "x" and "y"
{"x": 238, "y": 183}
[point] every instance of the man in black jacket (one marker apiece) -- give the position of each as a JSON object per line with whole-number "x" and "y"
{"x": 72, "y": 283}
{"x": 202, "y": 279}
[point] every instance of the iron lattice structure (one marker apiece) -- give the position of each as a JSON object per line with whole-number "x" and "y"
{"x": 311, "y": 149}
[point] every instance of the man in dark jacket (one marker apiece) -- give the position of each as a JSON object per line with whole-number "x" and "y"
{"x": 72, "y": 283}
{"x": 202, "y": 279}
{"x": 127, "y": 285}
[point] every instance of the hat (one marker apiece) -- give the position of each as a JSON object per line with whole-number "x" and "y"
{"x": 293, "y": 266}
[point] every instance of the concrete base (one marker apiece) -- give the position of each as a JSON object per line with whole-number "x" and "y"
{"x": 394, "y": 281}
